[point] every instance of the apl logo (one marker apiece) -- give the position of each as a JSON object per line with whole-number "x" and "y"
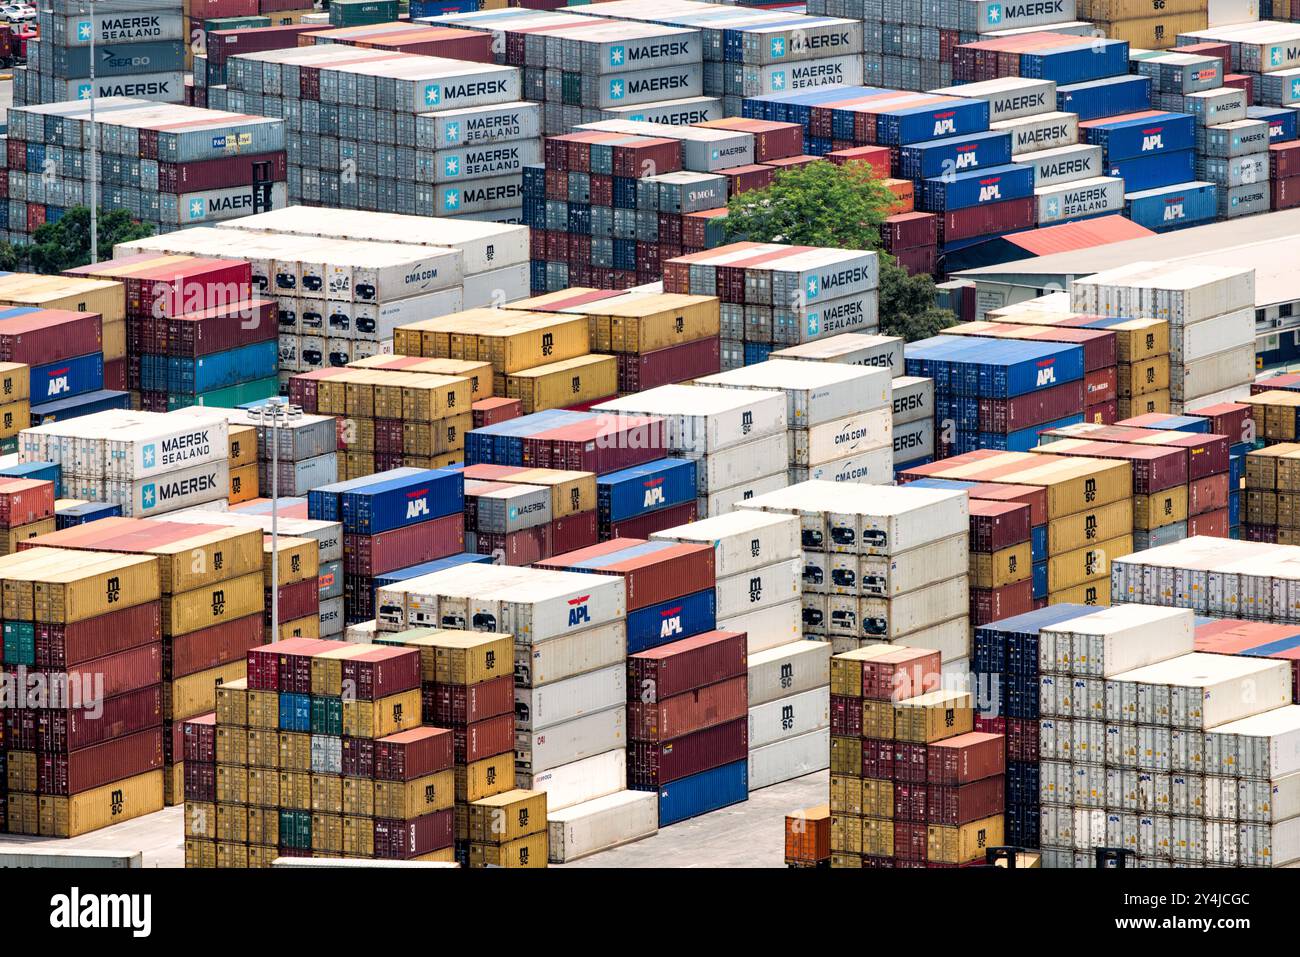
{"x": 616, "y": 55}
{"x": 967, "y": 158}
{"x": 432, "y": 94}
{"x": 994, "y": 13}
{"x": 1152, "y": 141}
{"x": 617, "y": 89}
{"x": 778, "y": 80}
{"x": 452, "y": 132}
{"x": 452, "y": 166}
{"x": 451, "y": 199}
{"x": 944, "y": 123}
{"x": 150, "y": 455}
{"x": 1174, "y": 211}
{"x": 989, "y": 191}
{"x": 778, "y": 47}
{"x": 418, "y": 504}
{"x": 1046, "y": 373}
{"x": 578, "y": 611}
{"x": 672, "y": 622}
{"x": 654, "y": 493}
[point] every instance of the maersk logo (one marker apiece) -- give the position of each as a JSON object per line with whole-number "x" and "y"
{"x": 451, "y": 199}
{"x": 778, "y": 47}
{"x": 83, "y": 91}
{"x": 84, "y": 30}
{"x": 616, "y": 55}
{"x": 452, "y": 132}
{"x": 1053, "y": 207}
{"x": 814, "y": 287}
{"x": 995, "y": 13}
{"x": 778, "y": 80}
{"x": 452, "y": 166}
{"x": 196, "y": 209}
{"x": 814, "y": 324}
{"x": 1275, "y": 55}
{"x": 616, "y": 89}
{"x": 150, "y": 455}
{"x": 432, "y": 94}
{"x": 1295, "y": 89}
{"x": 149, "y": 496}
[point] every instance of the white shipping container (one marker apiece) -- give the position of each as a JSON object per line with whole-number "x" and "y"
{"x": 838, "y": 440}
{"x": 914, "y": 440}
{"x": 950, "y": 638}
{"x": 495, "y": 286}
{"x": 1116, "y": 639}
{"x": 537, "y": 751}
{"x": 1265, "y": 746}
{"x": 68, "y": 858}
{"x": 479, "y": 125}
{"x": 1205, "y": 690}
{"x": 737, "y": 465}
{"x": 725, "y": 500}
{"x": 789, "y": 759}
{"x": 758, "y": 588}
{"x": 574, "y": 654}
{"x": 1215, "y": 373}
{"x": 328, "y": 535}
{"x": 803, "y": 75}
{"x": 477, "y": 196}
{"x": 817, "y": 393}
{"x": 768, "y": 627}
{"x": 598, "y": 825}
{"x": 681, "y": 112}
{"x": 548, "y": 705}
{"x": 703, "y": 150}
{"x": 331, "y": 617}
{"x": 1043, "y": 131}
{"x": 851, "y": 348}
{"x": 165, "y": 493}
{"x": 581, "y": 781}
{"x": 913, "y": 399}
{"x": 1009, "y": 97}
{"x": 741, "y": 540}
{"x": 706, "y": 420}
{"x": 1216, "y": 335}
{"x": 160, "y": 87}
{"x": 1076, "y": 200}
{"x": 892, "y": 618}
{"x": 886, "y": 577}
{"x": 789, "y": 717}
{"x": 503, "y": 158}
{"x": 298, "y": 478}
{"x": 1064, "y": 164}
{"x": 788, "y": 670}
{"x": 1268, "y": 845}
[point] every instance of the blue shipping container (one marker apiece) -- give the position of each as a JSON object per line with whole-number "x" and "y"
{"x": 955, "y": 154}
{"x": 994, "y": 642}
{"x": 221, "y": 369}
{"x": 645, "y": 488}
{"x": 502, "y": 444}
{"x": 295, "y": 712}
{"x": 915, "y": 124}
{"x": 397, "y": 503}
{"x": 67, "y": 377}
{"x": 993, "y": 369}
{"x": 98, "y": 401}
{"x": 1126, "y": 137}
{"x": 671, "y": 620}
{"x": 1109, "y": 96}
{"x": 978, "y": 187}
{"x": 1281, "y": 122}
{"x": 1023, "y": 440}
{"x": 1038, "y": 543}
{"x": 1150, "y": 172}
{"x": 85, "y": 512}
{"x": 1171, "y": 207}
{"x": 324, "y": 504}
{"x": 704, "y": 792}
{"x": 1090, "y": 59}
{"x": 1234, "y": 508}
{"x": 1040, "y": 580}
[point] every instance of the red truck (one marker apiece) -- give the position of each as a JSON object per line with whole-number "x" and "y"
{"x": 13, "y": 43}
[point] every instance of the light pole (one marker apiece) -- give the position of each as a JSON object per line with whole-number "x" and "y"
{"x": 271, "y": 416}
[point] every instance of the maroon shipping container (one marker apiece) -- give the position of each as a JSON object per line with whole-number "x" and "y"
{"x": 692, "y": 711}
{"x": 217, "y": 329}
{"x": 846, "y": 715}
{"x": 72, "y": 773}
{"x": 1222, "y": 50}
{"x": 459, "y": 705}
{"x": 1032, "y": 495}
{"x": 524, "y": 547}
{"x": 1211, "y": 523}
{"x": 573, "y": 532}
{"x": 382, "y": 672}
{"x": 969, "y": 802}
{"x": 1154, "y": 468}
{"x": 412, "y": 754}
{"x": 772, "y": 140}
{"x": 989, "y": 219}
{"x": 685, "y": 665}
{"x": 286, "y": 665}
{"x": 74, "y": 728}
{"x": 222, "y": 173}
{"x": 359, "y": 757}
{"x": 1101, "y": 385}
{"x": 1207, "y": 453}
{"x": 1285, "y": 192}
{"x": 686, "y": 360}
{"x": 121, "y": 671}
{"x": 652, "y": 765}
{"x": 910, "y": 762}
{"x": 608, "y": 443}
{"x": 482, "y": 739}
{"x": 903, "y": 673}
{"x": 371, "y": 555}
{"x": 909, "y": 231}
{"x": 995, "y": 525}
{"x": 921, "y": 260}
{"x": 200, "y": 781}
{"x": 1104, "y": 413}
{"x": 218, "y": 645}
{"x": 48, "y": 335}
{"x": 1284, "y": 160}
{"x": 1226, "y": 418}
{"x": 1022, "y": 739}
{"x": 1207, "y": 494}
{"x": 668, "y": 572}
{"x": 60, "y": 645}
{"x": 199, "y": 738}
{"x": 23, "y": 501}
{"x": 296, "y": 601}
{"x": 642, "y": 526}
{"x": 115, "y": 375}
{"x": 965, "y": 758}
{"x": 223, "y": 44}
{"x": 403, "y": 840}
{"x": 20, "y": 728}
{"x": 909, "y": 841}
{"x": 878, "y": 758}
{"x": 741, "y": 179}
{"x": 909, "y": 801}
{"x": 994, "y": 604}
{"x": 495, "y": 410}
{"x": 1032, "y": 408}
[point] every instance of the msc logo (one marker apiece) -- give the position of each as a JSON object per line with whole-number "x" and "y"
{"x": 994, "y": 14}
{"x": 432, "y": 94}
{"x": 672, "y": 623}
{"x": 778, "y": 47}
{"x": 616, "y": 55}
{"x": 218, "y": 602}
{"x": 579, "y": 614}
{"x": 150, "y": 455}
{"x": 114, "y": 589}
{"x": 617, "y": 89}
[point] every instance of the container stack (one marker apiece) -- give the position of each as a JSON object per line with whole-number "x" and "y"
{"x": 1001, "y": 559}
{"x": 1258, "y": 639}
{"x": 141, "y": 55}
{"x": 295, "y": 768}
{"x": 63, "y": 351}
{"x": 881, "y": 564}
{"x": 15, "y": 403}
{"x": 911, "y": 784}
{"x": 1143, "y": 25}
{"x": 169, "y": 166}
{"x": 775, "y": 296}
{"x": 1271, "y": 482}
{"x": 228, "y": 37}
{"x": 1061, "y": 57}
{"x": 736, "y": 437}
{"x": 839, "y": 417}
{"x": 26, "y": 510}
{"x": 519, "y": 516}
{"x": 1071, "y": 560}
{"x": 1211, "y": 316}
{"x": 92, "y": 626}
{"x": 509, "y": 830}
{"x": 1005, "y": 672}
{"x": 213, "y": 609}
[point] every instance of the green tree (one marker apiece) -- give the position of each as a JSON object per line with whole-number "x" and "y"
{"x": 822, "y": 204}
{"x": 65, "y": 243}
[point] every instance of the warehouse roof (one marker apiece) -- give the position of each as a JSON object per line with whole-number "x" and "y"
{"x": 1270, "y": 243}
{"x": 1084, "y": 234}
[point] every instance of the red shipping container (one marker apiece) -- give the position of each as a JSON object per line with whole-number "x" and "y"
{"x": 412, "y": 754}
{"x": 285, "y": 665}
{"x": 1032, "y": 408}
{"x": 923, "y": 260}
{"x": 1100, "y": 386}
{"x": 72, "y": 773}
{"x": 372, "y": 555}
{"x": 23, "y": 501}
{"x": 1104, "y": 414}
{"x": 1154, "y": 468}
{"x": 574, "y": 532}
{"x": 48, "y": 335}
{"x": 403, "y": 840}
{"x": 772, "y": 140}
{"x": 965, "y": 758}
{"x": 909, "y": 841}
{"x": 382, "y": 672}
{"x": 519, "y": 548}
{"x": 1207, "y": 453}
{"x": 653, "y": 575}
{"x": 742, "y": 179}
{"x": 995, "y": 525}
{"x": 200, "y": 782}
{"x": 645, "y": 525}
{"x": 1032, "y": 495}
{"x": 651, "y": 765}
{"x": 994, "y": 604}
{"x": 1222, "y": 50}
{"x": 692, "y": 711}
{"x": 216, "y": 9}
{"x": 223, "y": 44}
{"x": 902, "y": 673}
{"x": 877, "y": 157}
{"x": 223, "y": 173}
{"x": 1207, "y": 494}
{"x": 970, "y": 802}
{"x": 608, "y": 443}
{"x": 359, "y": 757}
{"x": 1285, "y": 192}
{"x": 1226, "y": 418}
{"x": 482, "y": 739}
{"x": 685, "y": 665}
{"x": 989, "y": 219}
{"x": 296, "y": 601}
{"x": 1284, "y": 160}
{"x": 1242, "y": 81}
{"x": 878, "y": 758}
{"x": 679, "y": 363}
{"x": 199, "y": 738}
{"x": 218, "y": 645}
{"x": 220, "y": 328}
{"x": 60, "y": 645}
{"x": 1210, "y": 523}
{"x": 121, "y": 671}
{"x": 1022, "y": 739}
{"x": 909, "y": 230}
{"x": 459, "y": 705}
{"x": 846, "y": 715}
{"x": 910, "y": 762}
{"x": 71, "y": 729}
{"x": 909, "y": 801}
{"x": 115, "y": 375}
{"x": 302, "y": 387}
{"x": 495, "y": 410}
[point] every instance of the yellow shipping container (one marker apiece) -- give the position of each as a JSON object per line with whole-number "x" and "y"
{"x": 208, "y": 557}
{"x": 174, "y": 784}
{"x": 299, "y": 559}
{"x": 1274, "y": 414}
{"x": 263, "y": 710}
{"x": 485, "y": 777}
{"x": 1003, "y": 567}
{"x": 846, "y": 669}
{"x": 877, "y": 837}
{"x": 878, "y": 719}
{"x": 1288, "y": 509}
{"x": 24, "y": 814}
{"x": 445, "y": 855}
{"x": 1113, "y": 10}
{"x": 232, "y": 823}
{"x": 327, "y": 793}
{"x": 10, "y": 537}
{"x": 1144, "y": 404}
{"x": 1155, "y": 33}
{"x": 478, "y": 373}
{"x": 95, "y": 587}
{"x": 933, "y": 716}
{"x": 571, "y": 492}
{"x": 846, "y": 833}
{"x": 264, "y": 787}
{"x": 232, "y": 744}
{"x": 359, "y": 797}
{"x": 358, "y": 465}
{"x": 295, "y": 790}
{"x": 568, "y": 382}
{"x": 262, "y": 745}
{"x": 841, "y": 860}
{"x": 641, "y": 323}
{"x": 524, "y": 853}
{"x": 877, "y": 799}
{"x": 358, "y": 836}
{"x": 1089, "y": 593}
{"x": 232, "y": 704}
{"x": 197, "y": 693}
{"x": 261, "y": 855}
{"x": 507, "y": 817}
{"x": 404, "y": 800}
{"x": 380, "y": 718}
{"x": 357, "y": 434}
{"x": 203, "y": 607}
{"x": 1072, "y": 484}
{"x": 295, "y": 751}
{"x": 1084, "y": 564}
{"x": 201, "y": 819}
{"x": 327, "y": 832}
{"x": 438, "y": 437}
{"x": 15, "y": 382}
{"x": 242, "y": 445}
{"x": 1094, "y": 525}
{"x": 200, "y": 853}
{"x": 387, "y": 387}
{"x": 232, "y": 855}
{"x": 73, "y": 293}
{"x": 232, "y": 784}
{"x": 1261, "y": 507}
{"x": 99, "y": 807}
{"x": 306, "y": 627}
{"x": 1288, "y": 468}
{"x": 846, "y": 756}
{"x": 14, "y": 417}
{"x": 1160, "y": 509}
{"x": 243, "y": 484}
{"x": 846, "y": 794}
{"x": 428, "y": 397}
{"x": 264, "y": 825}
{"x": 468, "y": 657}
{"x": 1144, "y": 377}
{"x": 958, "y": 845}
{"x": 113, "y": 339}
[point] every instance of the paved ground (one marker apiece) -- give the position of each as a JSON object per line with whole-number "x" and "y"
{"x": 746, "y": 835}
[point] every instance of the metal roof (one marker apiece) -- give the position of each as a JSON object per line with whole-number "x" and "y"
{"x": 1084, "y": 234}
{"x": 1270, "y": 243}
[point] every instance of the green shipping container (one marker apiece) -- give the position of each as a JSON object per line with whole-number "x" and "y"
{"x": 295, "y": 829}
{"x": 355, "y": 13}
{"x": 326, "y": 715}
{"x": 235, "y": 23}
{"x": 229, "y": 397}
{"x": 19, "y": 643}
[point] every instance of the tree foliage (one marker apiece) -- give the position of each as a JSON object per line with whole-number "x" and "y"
{"x": 823, "y": 204}
{"x": 65, "y": 243}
